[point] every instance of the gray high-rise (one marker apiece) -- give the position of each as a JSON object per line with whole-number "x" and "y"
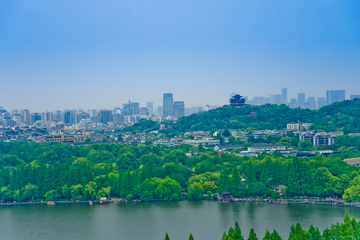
{"x": 27, "y": 116}
{"x": 321, "y": 102}
{"x": 168, "y": 104}
{"x": 105, "y": 116}
{"x": 301, "y": 99}
{"x": 179, "y": 109}
{"x": 150, "y": 106}
{"x": 335, "y": 96}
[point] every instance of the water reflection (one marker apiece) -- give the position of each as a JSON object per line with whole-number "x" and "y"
{"x": 204, "y": 219}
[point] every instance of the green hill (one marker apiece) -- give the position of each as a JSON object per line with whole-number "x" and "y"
{"x": 340, "y": 115}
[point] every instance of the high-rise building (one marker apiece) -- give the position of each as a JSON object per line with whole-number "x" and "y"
{"x": 17, "y": 118}
{"x": 301, "y": 99}
{"x": 160, "y": 111}
{"x": 117, "y": 110}
{"x": 278, "y": 99}
{"x": 27, "y": 116}
{"x": 179, "y": 109}
{"x": 272, "y": 98}
{"x": 66, "y": 117}
{"x": 46, "y": 117}
{"x": 150, "y": 106}
{"x": 321, "y": 102}
{"x": 136, "y": 108}
{"x": 352, "y": 97}
{"x": 105, "y": 116}
{"x": 311, "y": 103}
{"x": 284, "y": 96}
{"x": 35, "y": 117}
{"x": 261, "y": 100}
{"x": 168, "y": 105}
{"x": 93, "y": 113}
{"x": 131, "y": 108}
{"x": 293, "y": 103}
{"x": 335, "y": 96}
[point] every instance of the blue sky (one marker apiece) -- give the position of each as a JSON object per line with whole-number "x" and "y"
{"x": 81, "y": 54}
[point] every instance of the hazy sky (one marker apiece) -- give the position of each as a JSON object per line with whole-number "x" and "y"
{"x": 81, "y": 54}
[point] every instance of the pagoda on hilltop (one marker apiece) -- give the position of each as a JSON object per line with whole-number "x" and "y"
{"x": 237, "y": 101}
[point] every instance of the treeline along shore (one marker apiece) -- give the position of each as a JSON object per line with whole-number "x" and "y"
{"x": 54, "y": 171}
{"x": 349, "y": 230}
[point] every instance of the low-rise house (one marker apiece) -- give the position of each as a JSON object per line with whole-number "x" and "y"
{"x": 228, "y": 148}
{"x": 298, "y": 126}
{"x": 259, "y": 134}
{"x": 205, "y": 142}
{"x": 309, "y": 136}
{"x": 262, "y": 147}
{"x": 279, "y": 188}
{"x": 248, "y": 153}
{"x": 293, "y": 126}
{"x": 323, "y": 139}
{"x": 332, "y": 136}
{"x": 353, "y": 161}
{"x": 320, "y": 139}
{"x": 165, "y": 142}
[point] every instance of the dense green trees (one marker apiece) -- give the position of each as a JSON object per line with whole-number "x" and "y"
{"x": 157, "y": 172}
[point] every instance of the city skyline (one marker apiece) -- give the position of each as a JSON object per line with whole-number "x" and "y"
{"x": 273, "y": 98}
{"x": 53, "y": 57}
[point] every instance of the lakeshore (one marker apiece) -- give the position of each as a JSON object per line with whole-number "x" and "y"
{"x": 326, "y": 201}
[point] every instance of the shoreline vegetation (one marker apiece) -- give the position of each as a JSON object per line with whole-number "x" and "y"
{"x": 333, "y": 202}
{"x": 348, "y": 230}
{"x": 53, "y": 171}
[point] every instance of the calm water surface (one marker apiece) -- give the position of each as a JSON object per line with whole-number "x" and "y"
{"x": 206, "y": 220}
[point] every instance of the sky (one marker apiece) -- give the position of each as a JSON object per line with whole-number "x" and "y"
{"x": 84, "y": 54}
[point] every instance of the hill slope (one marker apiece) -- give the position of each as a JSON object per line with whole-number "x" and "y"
{"x": 338, "y": 115}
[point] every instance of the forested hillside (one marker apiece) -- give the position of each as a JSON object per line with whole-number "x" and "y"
{"x": 340, "y": 115}
{"x": 31, "y": 171}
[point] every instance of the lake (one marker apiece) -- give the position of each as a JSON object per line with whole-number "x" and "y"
{"x": 206, "y": 220}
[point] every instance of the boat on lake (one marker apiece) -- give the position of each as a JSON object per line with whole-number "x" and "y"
{"x": 103, "y": 200}
{"x": 51, "y": 203}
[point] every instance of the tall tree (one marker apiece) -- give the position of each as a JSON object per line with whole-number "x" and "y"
{"x": 237, "y": 232}
{"x": 126, "y": 185}
{"x": 276, "y": 236}
{"x": 235, "y": 182}
{"x": 252, "y": 235}
{"x": 191, "y": 237}
{"x": 224, "y": 181}
{"x": 250, "y": 177}
{"x": 267, "y": 235}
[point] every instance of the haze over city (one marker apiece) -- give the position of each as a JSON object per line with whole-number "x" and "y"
{"x": 70, "y": 55}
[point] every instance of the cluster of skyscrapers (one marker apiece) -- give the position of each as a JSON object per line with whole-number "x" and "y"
{"x": 301, "y": 100}
{"x": 172, "y": 109}
{"x": 130, "y": 112}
